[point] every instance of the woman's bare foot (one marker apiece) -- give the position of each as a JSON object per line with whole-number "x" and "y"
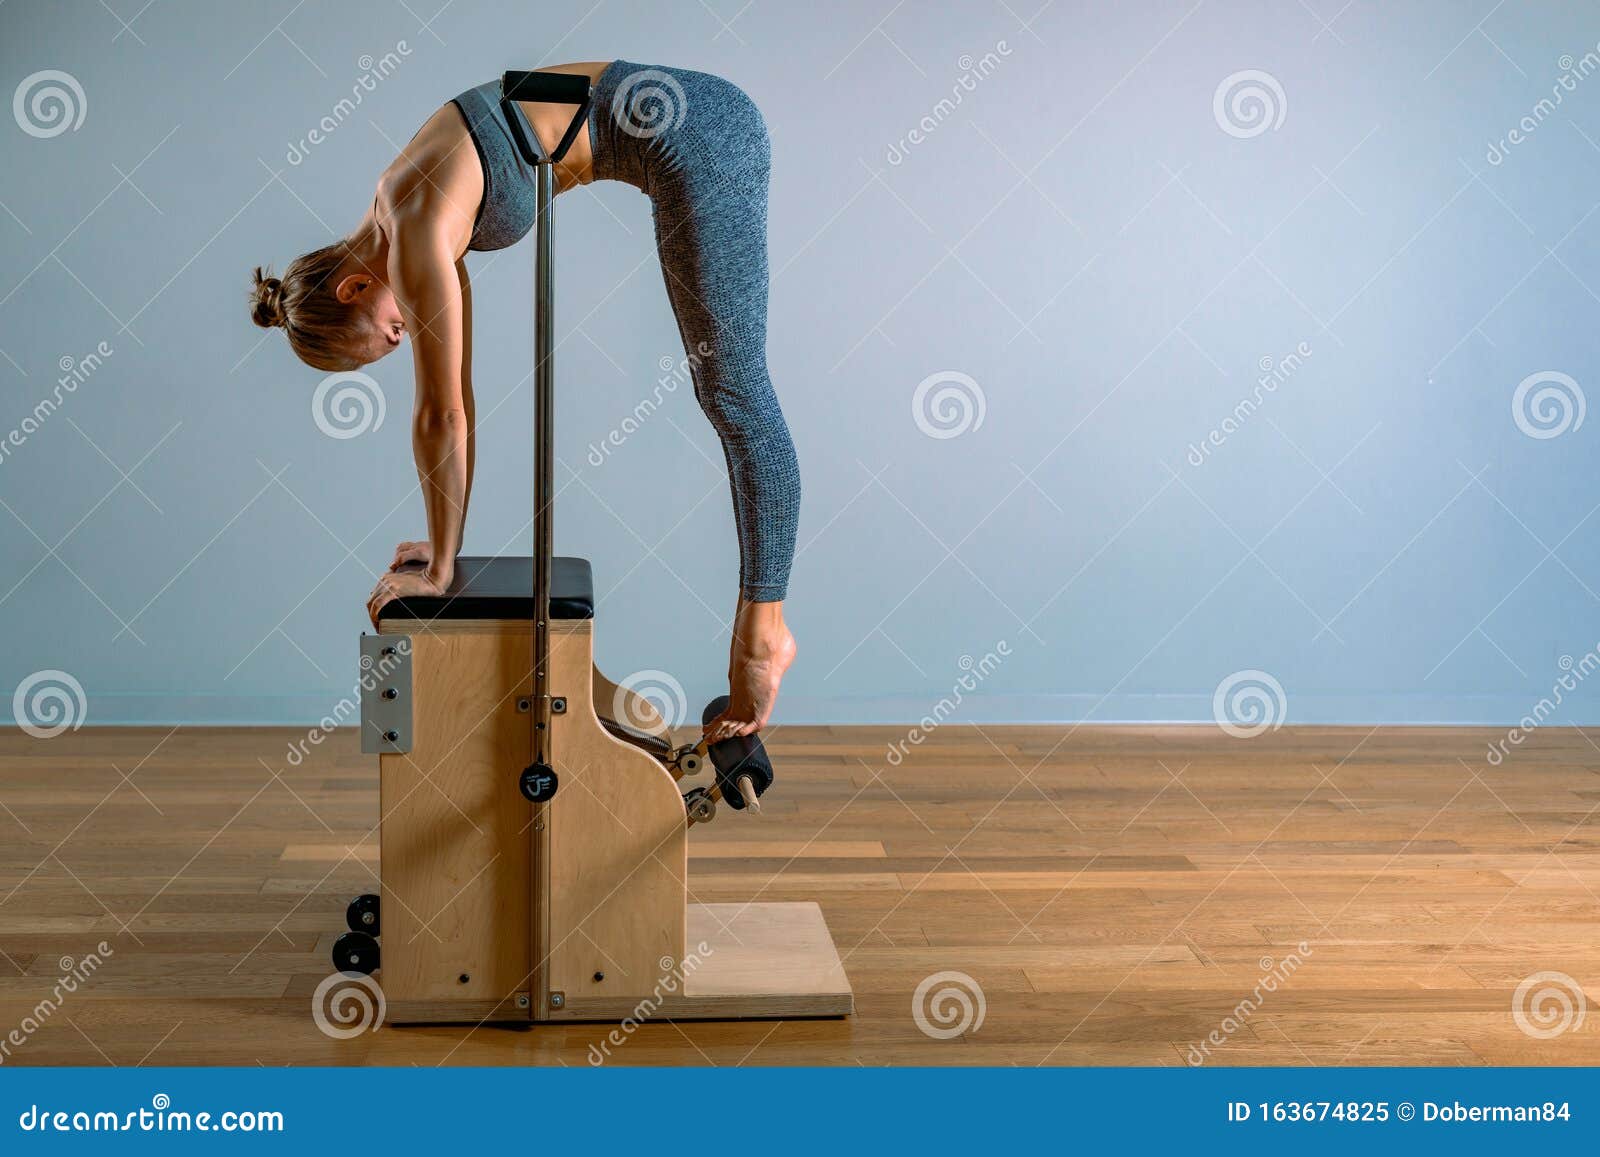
{"x": 762, "y": 652}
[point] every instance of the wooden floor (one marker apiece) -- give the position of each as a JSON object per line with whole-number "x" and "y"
{"x": 1117, "y": 895}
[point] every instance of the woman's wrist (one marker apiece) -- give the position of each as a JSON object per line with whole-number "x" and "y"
{"x": 441, "y": 571}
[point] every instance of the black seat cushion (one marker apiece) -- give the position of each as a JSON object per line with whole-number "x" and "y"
{"x": 502, "y": 588}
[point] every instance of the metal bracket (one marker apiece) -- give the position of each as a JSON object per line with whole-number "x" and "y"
{"x": 385, "y": 694}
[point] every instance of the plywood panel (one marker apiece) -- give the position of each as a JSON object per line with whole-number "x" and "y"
{"x": 616, "y": 842}
{"x": 455, "y": 830}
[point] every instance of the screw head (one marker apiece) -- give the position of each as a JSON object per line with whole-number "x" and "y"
{"x": 558, "y": 1000}
{"x": 463, "y": 978}
{"x": 599, "y": 976}
{"x": 558, "y": 705}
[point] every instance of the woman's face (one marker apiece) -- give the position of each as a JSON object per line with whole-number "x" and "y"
{"x": 382, "y": 324}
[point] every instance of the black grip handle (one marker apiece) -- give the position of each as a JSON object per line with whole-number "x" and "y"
{"x": 545, "y": 87}
{"x": 738, "y": 756}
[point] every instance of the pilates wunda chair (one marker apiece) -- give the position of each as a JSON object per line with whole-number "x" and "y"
{"x": 566, "y": 899}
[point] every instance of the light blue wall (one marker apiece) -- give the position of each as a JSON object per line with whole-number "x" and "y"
{"x": 1077, "y": 234}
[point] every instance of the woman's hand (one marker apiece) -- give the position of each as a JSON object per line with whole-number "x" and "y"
{"x": 401, "y": 585}
{"x": 412, "y": 552}
{"x": 762, "y": 651}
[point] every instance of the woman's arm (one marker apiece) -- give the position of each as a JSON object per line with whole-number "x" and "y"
{"x": 428, "y": 289}
{"x": 431, "y": 289}
{"x": 412, "y": 552}
{"x": 468, "y": 405}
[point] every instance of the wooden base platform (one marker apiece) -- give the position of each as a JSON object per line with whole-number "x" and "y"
{"x": 744, "y": 962}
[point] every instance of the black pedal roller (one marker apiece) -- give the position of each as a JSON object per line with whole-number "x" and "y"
{"x": 740, "y": 756}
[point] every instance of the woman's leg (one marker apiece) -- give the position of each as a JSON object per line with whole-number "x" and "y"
{"x": 711, "y": 235}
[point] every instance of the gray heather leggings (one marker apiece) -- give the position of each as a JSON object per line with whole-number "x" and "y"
{"x": 698, "y": 147}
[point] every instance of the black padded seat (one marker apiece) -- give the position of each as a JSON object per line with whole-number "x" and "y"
{"x": 502, "y": 588}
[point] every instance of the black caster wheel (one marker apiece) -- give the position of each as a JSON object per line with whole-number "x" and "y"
{"x": 356, "y": 952}
{"x": 362, "y": 914}
{"x": 538, "y": 783}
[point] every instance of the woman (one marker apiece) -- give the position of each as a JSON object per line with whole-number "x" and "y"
{"x": 698, "y": 147}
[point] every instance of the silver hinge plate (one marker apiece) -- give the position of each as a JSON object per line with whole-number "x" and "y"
{"x": 385, "y": 694}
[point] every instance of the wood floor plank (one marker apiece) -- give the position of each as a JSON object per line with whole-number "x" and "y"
{"x": 1105, "y": 895}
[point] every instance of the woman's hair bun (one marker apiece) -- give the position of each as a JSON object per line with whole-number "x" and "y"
{"x": 266, "y": 304}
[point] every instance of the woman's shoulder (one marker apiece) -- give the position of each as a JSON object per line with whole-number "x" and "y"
{"x": 435, "y": 184}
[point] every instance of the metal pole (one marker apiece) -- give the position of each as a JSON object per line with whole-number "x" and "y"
{"x": 544, "y": 459}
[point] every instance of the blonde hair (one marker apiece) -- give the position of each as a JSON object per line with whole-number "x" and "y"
{"x": 322, "y": 329}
